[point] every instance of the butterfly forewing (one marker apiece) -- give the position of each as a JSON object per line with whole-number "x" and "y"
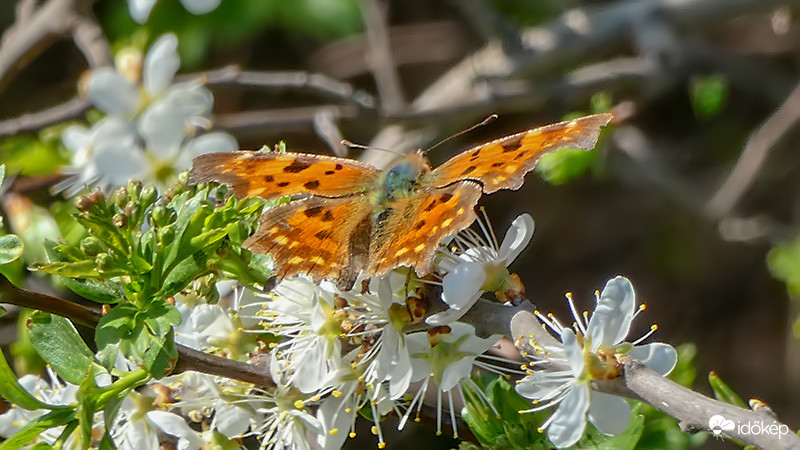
{"x": 503, "y": 163}
{"x": 272, "y": 175}
{"x": 414, "y": 226}
{"x": 324, "y": 238}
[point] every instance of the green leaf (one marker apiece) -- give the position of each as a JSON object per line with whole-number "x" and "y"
{"x": 161, "y": 317}
{"x": 11, "y": 248}
{"x": 146, "y": 337}
{"x": 12, "y": 391}
{"x": 182, "y": 274}
{"x": 79, "y": 269}
{"x": 784, "y": 263}
{"x": 709, "y": 94}
{"x": 723, "y": 392}
{"x": 510, "y": 428}
{"x": 34, "y": 428}
{"x": 628, "y": 439}
{"x": 95, "y": 290}
{"x": 565, "y": 165}
{"x": 60, "y": 345}
{"x": 107, "y": 443}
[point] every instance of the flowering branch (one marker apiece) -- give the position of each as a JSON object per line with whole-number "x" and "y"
{"x": 693, "y": 410}
{"x": 190, "y": 359}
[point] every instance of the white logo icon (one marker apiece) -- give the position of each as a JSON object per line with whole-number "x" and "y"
{"x": 717, "y": 424}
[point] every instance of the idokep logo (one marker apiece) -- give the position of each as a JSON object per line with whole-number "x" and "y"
{"x": 718, "y": 425}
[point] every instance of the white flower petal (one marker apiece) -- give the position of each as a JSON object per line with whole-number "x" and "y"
{"x": 139, "y": 435}
{"x": 569, "y": 420}
{"x": 573, "y": 351}
{"x": 449, "y": 316}
{"x": 218, "y": 141}
{"x": 119, "y": 162}
{"x": 111, "y": 93}
{"x": 612, "y": 317}
{"x": 461, "y": 284}
{"x": 541, "y": 384}
{"x": 657, "y": 356}
{"x": 335, "y": 422}
{"x": 232, "y": 421}
{"x": 161, "y": 64}
{"x": 517, "y": 237}
{"x": 76, "y": 138}
{"x": 609, "y": 413}
{"x": 140, "y": 9}
{"x": 200, "y": 6}
{"x": 175, "y": 425}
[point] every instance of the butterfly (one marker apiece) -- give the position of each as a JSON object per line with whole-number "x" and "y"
{"x": 346, "y": 217}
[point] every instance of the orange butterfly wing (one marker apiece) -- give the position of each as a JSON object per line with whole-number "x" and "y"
{"x": 503, "y": 163}
{"x": 324, "y": 238}
{"x": 414, "y": 226}
{"x": 272, "y": 175}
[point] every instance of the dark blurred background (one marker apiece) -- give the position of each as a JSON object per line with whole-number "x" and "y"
{"x": 702, "y": 89}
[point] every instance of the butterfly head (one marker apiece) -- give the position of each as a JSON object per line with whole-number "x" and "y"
{"x": 402, "y": 177}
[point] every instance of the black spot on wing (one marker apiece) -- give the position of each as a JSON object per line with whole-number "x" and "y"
{"x": 284, "y": 183}
{"x": 311, "y": 184}
{"x": 296, "y": 166}
{"x": 313, "y": 211}
{"x": 444, "y": 198}
{"x": 327, "y": 217}
{"x": 269, "y": 178}
{"x": 468, "y": 170}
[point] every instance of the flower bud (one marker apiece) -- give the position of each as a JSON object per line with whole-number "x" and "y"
{"x": 91, "y": 246}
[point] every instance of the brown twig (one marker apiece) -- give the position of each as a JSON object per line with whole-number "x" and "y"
{"x": 754, "y": 154}
{"x": 71, "y": 109}
{"x": 36, "y": 31}
{"x": 379, "y": 56}
{"x": 233, "y": 75}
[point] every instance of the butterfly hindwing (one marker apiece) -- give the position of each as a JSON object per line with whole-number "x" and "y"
{"x": 272, "y": 175}
{"x": 503, "y": 163}
{"x": 324, "y": 238}
{"x": 413, "y": 226}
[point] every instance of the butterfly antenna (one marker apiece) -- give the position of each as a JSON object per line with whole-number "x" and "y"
{"x": 350, "y": 144}
{"x": 483, "y": 122}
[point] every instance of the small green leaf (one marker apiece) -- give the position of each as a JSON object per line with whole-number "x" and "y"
{"x": 107, "y": 443}
{"x": 628, "y": 439}
{"x": 11, "y": 248}
{"x": 723, "y": 392}
{"x": 565, "y": 165}
{"x": 95, "y": 290}
{"x": 161, "y": 317}
{"x": 60, "y": 345}
{"x": 12, "y": 391}
{"x": 34, "y": 428}
{"x": 709, "y": 94}
{"x": 79, "y": 269}
{"x": 784, "y": 263}
{"x": 182, "y": 274}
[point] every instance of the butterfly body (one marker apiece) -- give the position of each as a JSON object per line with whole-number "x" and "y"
{"x": 347, "y": 217}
